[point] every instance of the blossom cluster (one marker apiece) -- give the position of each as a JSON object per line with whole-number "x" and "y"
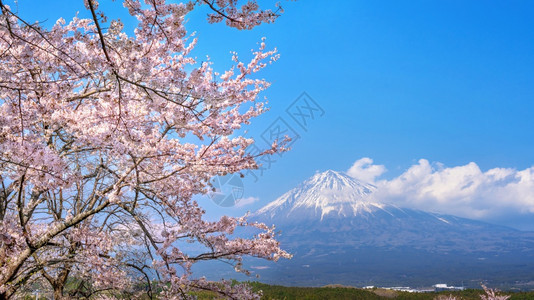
{"x": 104, "y": 137}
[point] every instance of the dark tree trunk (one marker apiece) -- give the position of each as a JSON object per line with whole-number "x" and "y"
{"x": 58, "y": 293}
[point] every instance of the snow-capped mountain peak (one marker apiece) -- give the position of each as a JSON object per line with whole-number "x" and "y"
{"x": 331, "y": 217}
{"x": 329, "y": 193}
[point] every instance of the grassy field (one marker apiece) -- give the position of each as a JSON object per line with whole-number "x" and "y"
{"x": 271, "y": 292}
{"x": 288, "y": 293}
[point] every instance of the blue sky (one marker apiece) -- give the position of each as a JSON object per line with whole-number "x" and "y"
{"x": 451, "y": 82}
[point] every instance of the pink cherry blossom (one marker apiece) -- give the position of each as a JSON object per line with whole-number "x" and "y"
{"x": 104, "y": 140}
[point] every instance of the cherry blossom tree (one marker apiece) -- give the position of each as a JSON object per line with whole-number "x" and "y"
{"x": 104, "y": 140}
{"x": 90, "y": 256}
{"x": 492, "y": 294}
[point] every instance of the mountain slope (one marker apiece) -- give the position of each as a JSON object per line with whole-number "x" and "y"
{"x": 325, "y": 194}
{"x": 339, "y": 235}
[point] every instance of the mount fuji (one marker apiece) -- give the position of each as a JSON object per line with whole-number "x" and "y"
{"x": 339, "y": 235}
{"x": 328, "y": 194}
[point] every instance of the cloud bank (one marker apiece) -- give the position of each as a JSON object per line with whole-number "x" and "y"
{"x": 463, "y": 190}
{"x": 364, "y": 170}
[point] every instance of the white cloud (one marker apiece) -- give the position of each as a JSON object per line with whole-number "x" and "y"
{"x": 246, "y": 201}
{"x": 364, "y": 170}
{"x": 462, "y": 190}
{"x": 260, "y": 267}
